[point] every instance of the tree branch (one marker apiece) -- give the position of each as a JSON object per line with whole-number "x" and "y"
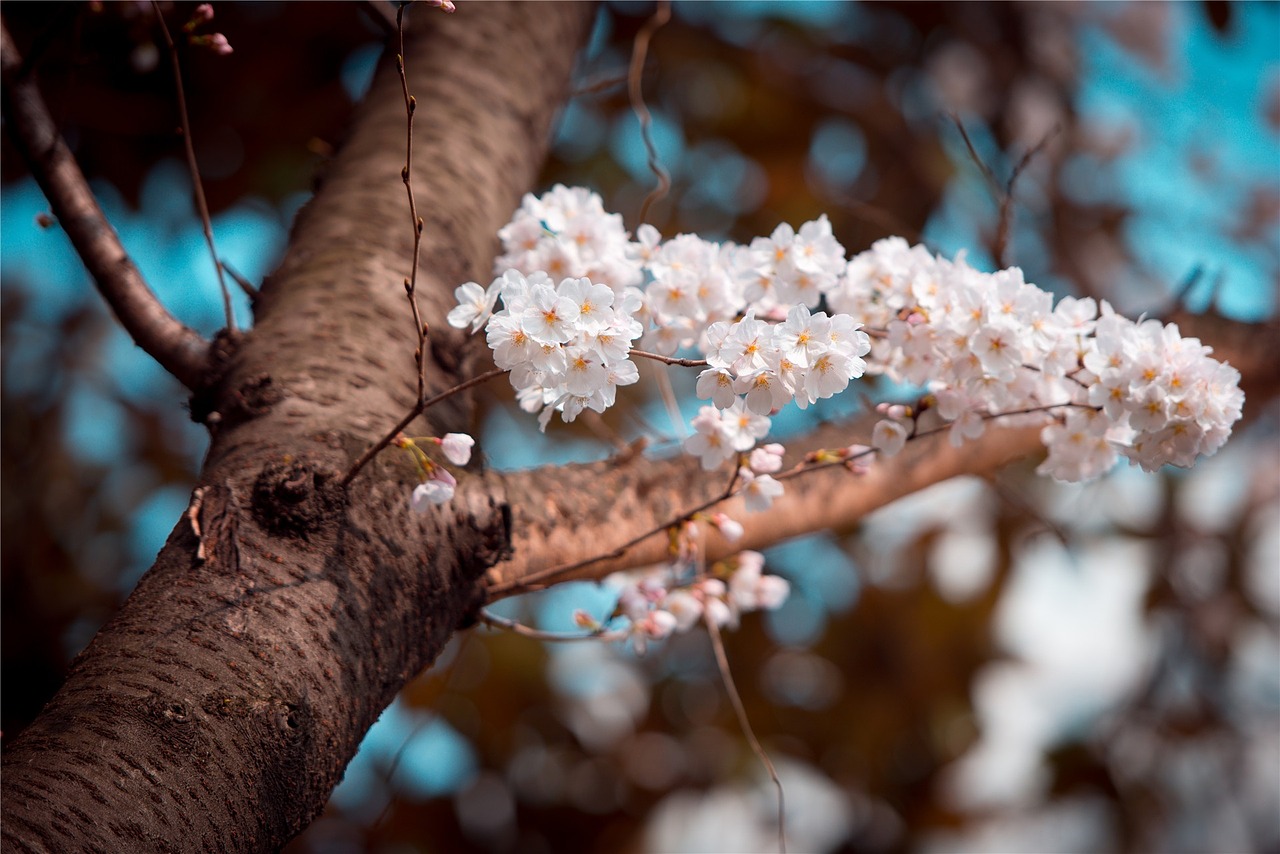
{"x": 178, "y": 348}
{"x": 646, "y": 493}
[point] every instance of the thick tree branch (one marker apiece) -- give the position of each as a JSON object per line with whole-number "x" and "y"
{"x": 177, "y": 347}
{"x": 219, "y": 707}
{"x": 646, "y": 493}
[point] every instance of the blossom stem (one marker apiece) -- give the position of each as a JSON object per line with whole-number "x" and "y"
{"x": 717, "y": 644}
{"x": 411, "y": 283}
{"x": 197, "y": 187}
{"x": 417, "y": 409}
{"x": 496, "y": 622}
{"x": 670, "y": 360}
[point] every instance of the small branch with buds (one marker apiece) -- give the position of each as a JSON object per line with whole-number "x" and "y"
{"x": 1003, "y": 193}
{"x": 494, "y": 621}
{"x": 414, "y": 412}
{"x": 406, "y": 175}
{"x": 635, "y": 74}
{"x": 218, "y": 43}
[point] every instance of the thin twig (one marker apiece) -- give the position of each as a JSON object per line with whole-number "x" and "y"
{"x": 496, "y": 622}
{"x": 380, "y": 15}
{"x": 197, "y": 186}
{"x": 406, "y": 175}
{"x": 1005, "y": 223}
{"x": 416, "y": 410}
{"x": 996, "y": 188}
{"x": 668, "y": 394}
{"x": 1181, "y": 295}
{"x": 599, "y": 85}
{"x": 245, "y": 285}
{"x": 1011, "y": 496}
{"x": 670, "y": 360}
{"x": 882, "y": 218}
{"x": 431, "y": 716}
{"x": 635, "y": 73}
{"x": 1002, "y": 193}
{"x": 179, "y": 349}
{"x": 717, "y": 644}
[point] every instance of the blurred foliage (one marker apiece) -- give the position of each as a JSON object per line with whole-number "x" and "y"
{"x": 876, "y": 684}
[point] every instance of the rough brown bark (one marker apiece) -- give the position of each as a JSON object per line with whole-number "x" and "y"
{"x": 218, "y": 709}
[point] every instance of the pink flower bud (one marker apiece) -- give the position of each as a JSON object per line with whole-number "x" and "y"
{"x": 728, "y": 528}
{"x": 457, "y": 447}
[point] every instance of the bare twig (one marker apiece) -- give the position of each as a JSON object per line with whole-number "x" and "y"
{"x": 431, "y": 715}
{"x": 245, "y": 285}
{"x": 669, "y": 360}
{"x": 197, "y": 187}
{"x": 717, "y": 644}
{"x": 668, "y": 393}
{"x": 996, "y": 189}
{"x": 177, "y": 347}
{"x": 380, "y": 14}
{"x": 1184, "y": 290}
{"x": 406, "y": 175}
{"x": 1012, "y": 497}
{"x": 635, "y": 73}
{"x": 416, "y": 410}
{"x": 882, "y": 218}
{"x": 1002, "y": 193}
{"x": 496, "y": 622}
{"x": 599, "y": 85}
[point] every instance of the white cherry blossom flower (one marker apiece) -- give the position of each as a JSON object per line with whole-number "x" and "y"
{"x": 888, "y": 437}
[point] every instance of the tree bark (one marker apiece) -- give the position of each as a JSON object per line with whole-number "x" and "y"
{"x": 218, "y": 709}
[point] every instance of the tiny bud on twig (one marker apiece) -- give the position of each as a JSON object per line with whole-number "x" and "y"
{"x": 203, "y": 14}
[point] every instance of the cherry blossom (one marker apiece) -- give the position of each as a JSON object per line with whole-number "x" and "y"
{"x": 576, "y": 293}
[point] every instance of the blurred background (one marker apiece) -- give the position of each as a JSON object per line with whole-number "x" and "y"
{"x": 1003, "y": 664}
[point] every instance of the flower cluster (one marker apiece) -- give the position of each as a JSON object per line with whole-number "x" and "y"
{"x": 566, "y": 233}
{"x": 653, "y": 605}
{"x": 805, "y": 358}
{"x": 697, "y": 294}
{"x": 1158, "y": 394}
{"x": 566, "y": 344}
{"x": 984, "y": 344}
{"x": 981, "y": 344}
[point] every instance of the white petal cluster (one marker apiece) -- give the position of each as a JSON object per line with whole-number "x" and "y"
{"x": 654, "y": 606}
{"x": 722, "y": 434}
{"x": 565, "y": 344}
{"x": 991, "y": 343}
{"x": 805, "y": 358}
{"x": 577, "y": 294}
{"x": 567, "y": 233}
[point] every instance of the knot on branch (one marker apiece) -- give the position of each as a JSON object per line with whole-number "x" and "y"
{"x": 294, "y": 498}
